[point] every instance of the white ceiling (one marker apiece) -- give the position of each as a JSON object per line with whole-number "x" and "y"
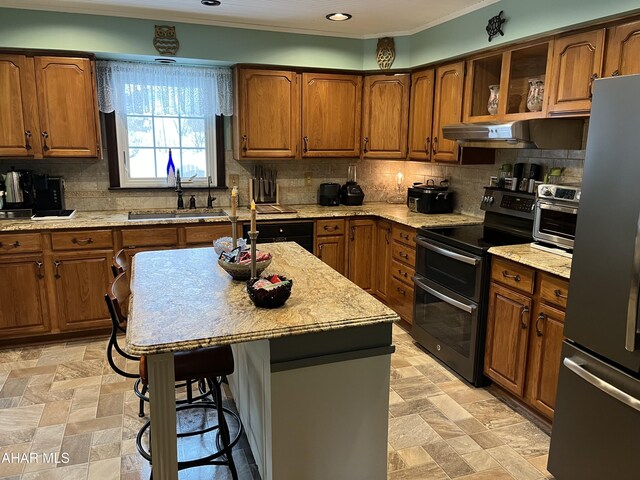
{"x": 371, "y": 18}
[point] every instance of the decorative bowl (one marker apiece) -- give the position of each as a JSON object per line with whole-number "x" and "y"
{"x": 225, "y": 244}
{"x": 273, "y": 298}
{"x": 242, "y": 271}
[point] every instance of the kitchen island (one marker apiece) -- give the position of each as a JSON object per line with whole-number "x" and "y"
{"x": 311, "y": 381}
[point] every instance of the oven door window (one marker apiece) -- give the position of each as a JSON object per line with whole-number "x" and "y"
{"x": 451, "y": 320}
{"x": 559, "y": 223}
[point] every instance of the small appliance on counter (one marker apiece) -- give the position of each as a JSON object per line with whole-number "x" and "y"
{"x": 430, "y": 198}
{"x": 329, "y": 194}
{"x": 555, "y": 218}
{"x": 351, "y": 193}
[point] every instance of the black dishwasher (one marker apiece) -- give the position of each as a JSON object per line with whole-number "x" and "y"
{"x": 278, "y": 231}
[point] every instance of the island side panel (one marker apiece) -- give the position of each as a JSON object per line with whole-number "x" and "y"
{"x": 330, "y": 421}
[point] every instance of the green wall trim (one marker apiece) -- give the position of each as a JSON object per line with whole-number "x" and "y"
{"x": 118, "y": 37}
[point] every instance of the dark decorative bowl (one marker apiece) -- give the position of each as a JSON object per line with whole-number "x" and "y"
{"x": 273, "y": 298}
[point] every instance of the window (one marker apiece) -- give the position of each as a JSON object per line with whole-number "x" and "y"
{"x": 162, "y": 108}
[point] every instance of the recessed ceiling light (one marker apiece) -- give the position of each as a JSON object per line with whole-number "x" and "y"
{"x": 339, "y": 17}
{"x": 210, "y": 3}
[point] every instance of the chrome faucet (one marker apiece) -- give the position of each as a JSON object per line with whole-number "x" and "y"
{"x": 179, "y": 191}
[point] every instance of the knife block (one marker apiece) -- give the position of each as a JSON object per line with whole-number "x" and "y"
{"x": 268, "y": 201}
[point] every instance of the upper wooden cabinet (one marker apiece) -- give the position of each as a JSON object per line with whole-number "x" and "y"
{"x": 576, "y": 63}
{"x": 331, "y": 115}
{"x": 447, "y": 109}
{"x": 421, "y": 115}
{"x": 622, "y": 56}
{"x": 48, "y": 105}
{"x": 385, "y": 116}
{"x": 511, "y": 72}
{"x": 267, "y": 119}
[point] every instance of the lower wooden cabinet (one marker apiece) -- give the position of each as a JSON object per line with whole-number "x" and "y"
{"x": 80, "y": 282}
{"x": 361, "y": 242}
{"x": 383, "y": 259}
{"x": 330, "y": 249}
{"x": 23, "y": 300}
{"x": 524, "y": 335}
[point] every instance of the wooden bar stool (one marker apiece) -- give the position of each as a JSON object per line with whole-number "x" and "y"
{"x": 120, "y": 263}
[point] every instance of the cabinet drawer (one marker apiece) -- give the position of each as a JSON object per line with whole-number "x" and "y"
{"x": 513, "y": 274}
{"x": 82, "y": 240}
{"x": 401, "y": 299}
{"x": 554, "y": 290}
{"x": 150, "y": 237}
{"x": 404, "y": 235}
{"x": 329, "y": 227}
{"x": 403, "y": 253}
{"x": 402, "y": 272}
{"x": 206, "y": 233}
{"x": 20, "y": 243}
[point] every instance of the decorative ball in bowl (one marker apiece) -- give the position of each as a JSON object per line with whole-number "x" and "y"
{"x": 269, "y": 292}
{"x": 242, "y": 270}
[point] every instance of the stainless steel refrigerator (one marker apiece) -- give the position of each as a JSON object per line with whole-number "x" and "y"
{"x": 596, "y": 428}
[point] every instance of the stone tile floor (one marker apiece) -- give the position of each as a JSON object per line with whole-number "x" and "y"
{"x": 64, "y": 398}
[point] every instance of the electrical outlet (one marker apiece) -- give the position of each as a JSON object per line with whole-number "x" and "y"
{"x": 234, "y": 180}
{"x": 307, "y": 179}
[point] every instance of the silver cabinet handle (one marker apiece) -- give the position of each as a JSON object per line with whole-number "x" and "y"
{"x": 244, "y": 143}
{"x": 427, "y": 145}
{"x": 366, "y": 142}
{"x": 447, "y": 253}
{"x": 56, "y": 264}
{"x": 506, "y": 274}
{"x": 631, "y": 334}
{"x": 444, "y": 298}
{"x": 541, "y": 318}
{"x": 558, "y": 293}
{"x": 306, "y": 144}
{"x": 435, "y": 145}
{"x": 27, "y": 142}
{"x": 45, "y": 135}
{"x": 39, "y": 265}
{"x": 600, "y": 384}
{"x": 523, "y": 324}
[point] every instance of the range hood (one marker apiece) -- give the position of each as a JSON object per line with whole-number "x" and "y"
{"x": 546, "y": 133}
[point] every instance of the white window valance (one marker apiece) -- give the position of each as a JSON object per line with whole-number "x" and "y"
{"x": 143, "y": 88}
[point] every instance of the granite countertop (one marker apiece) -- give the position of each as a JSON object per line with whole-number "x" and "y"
{"x": 533, "y": 257}
{"x": 182, "y": 300}
{"x": 97, "y": 219}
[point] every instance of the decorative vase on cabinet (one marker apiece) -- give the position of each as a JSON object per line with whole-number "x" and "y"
{"x": 492, "y": 104}
{"x": 536, "y": 95}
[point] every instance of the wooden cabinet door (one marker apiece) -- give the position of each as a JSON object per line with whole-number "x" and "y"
{"x": 267, "y": 122}
{"x": 576, "y": 63}
{"x": 67, "y": 107}
{"x": 544, "y": 358}
{"x": 361, "y": 253}
{"x": 623, "y": 50}
{"x": 447, "y": 108}
{"x": 507, "y": 338}
{"x": 330, "y": 249}
{"x": 331, "y": 115}
{"x": 385, "y": 116}
{"x": 383, "y": 259}
{"x": 81, "y": 279}
{"x": 421, "y": 115}
{"x": 20, "y": 134}
{"x": 23, "y": 307}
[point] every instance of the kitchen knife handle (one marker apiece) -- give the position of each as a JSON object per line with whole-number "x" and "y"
{"x": 39, "y": 265}
{"x": 305, "y": 139}
{"x": 523, "y": 324}
{"x": 435, "y": 145}
{"x": 366, "y": 142}
{"x": 506, "y": 274}
{"x": 27, "y": 142}
{"x": 45, "y": 135}
{"x": 541, "y": 318}
{"x": 244, "y": 143}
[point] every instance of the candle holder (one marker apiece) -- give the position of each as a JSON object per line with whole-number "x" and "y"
{"x": 234, "y": 230}
{"x": 253, "y": 236}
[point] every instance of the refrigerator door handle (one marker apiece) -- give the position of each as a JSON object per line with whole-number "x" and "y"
{"x": 606, "y": 387}
{"x": 632, "y": 309}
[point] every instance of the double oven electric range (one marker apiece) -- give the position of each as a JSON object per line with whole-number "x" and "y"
{"x": 452, "y": 280}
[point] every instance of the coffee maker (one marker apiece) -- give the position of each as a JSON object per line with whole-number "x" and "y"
{"x": 351, "y": 193}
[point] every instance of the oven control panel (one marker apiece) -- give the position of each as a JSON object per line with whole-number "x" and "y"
{"x": 566, "y": 193}
{"x": 519, "y": 204}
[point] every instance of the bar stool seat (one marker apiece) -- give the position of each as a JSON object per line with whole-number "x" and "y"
{"x": 201, "y": 363}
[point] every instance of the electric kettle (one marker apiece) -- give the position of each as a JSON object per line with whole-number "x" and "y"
{"x": 13, "y": 188}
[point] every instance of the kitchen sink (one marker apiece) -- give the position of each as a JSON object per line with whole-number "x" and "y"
{"x": 151, "y": 215}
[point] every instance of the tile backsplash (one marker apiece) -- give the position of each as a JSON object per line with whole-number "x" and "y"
{"x": 87, "y": 181}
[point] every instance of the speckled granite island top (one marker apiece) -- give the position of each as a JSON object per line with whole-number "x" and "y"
{"x": 97, "y": 219}
{"x": 527, "y": 255}
{"x": 182, "y": 300}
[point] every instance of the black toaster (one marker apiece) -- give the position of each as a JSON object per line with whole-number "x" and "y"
{"x": 329, "y": 194}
